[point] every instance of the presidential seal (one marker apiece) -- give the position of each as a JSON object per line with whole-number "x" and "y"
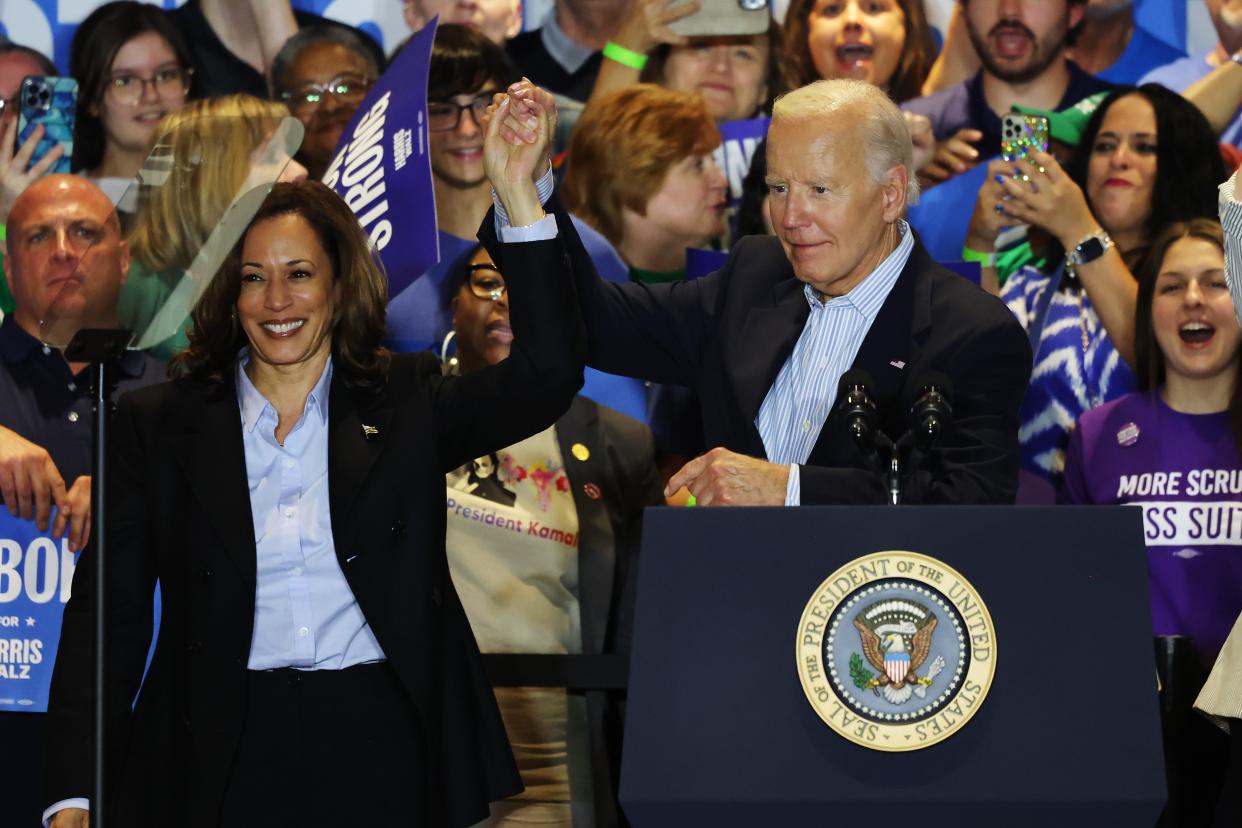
{"x": 896, "y": 651}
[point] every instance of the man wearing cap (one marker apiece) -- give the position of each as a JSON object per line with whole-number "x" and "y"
{"x": 942, "y": 216}
{"x": 1022, "y": 46}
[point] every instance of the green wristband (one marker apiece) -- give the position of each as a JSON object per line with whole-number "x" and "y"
{"x": 626, "y": 57}
{"x": 969, "y": 254}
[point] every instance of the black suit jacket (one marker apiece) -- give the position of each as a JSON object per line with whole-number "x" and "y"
{"x": 179, "y": 511}
{"x": 621, "y": 468}
{"x": 728, "y": 334}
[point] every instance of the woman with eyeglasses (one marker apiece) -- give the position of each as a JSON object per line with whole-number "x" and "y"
{"x": 133, "y": 68}
{"x": 322, "y": 74}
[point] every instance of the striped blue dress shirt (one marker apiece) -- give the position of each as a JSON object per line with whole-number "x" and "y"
{"x": 802, "y": 396}
{"x": 305, "y": 614}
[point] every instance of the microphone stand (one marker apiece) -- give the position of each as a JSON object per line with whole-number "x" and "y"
{"x": 894, "y": 474}
{"x": 102, "y": 348}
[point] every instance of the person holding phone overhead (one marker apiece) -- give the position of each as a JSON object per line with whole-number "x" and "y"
{"x": 18, "y": 166}
{"x": 1146, "y": 157}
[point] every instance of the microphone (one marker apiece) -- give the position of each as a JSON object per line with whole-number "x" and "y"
{"x": 854, "y": 403}
{"x": 932, "y": 411}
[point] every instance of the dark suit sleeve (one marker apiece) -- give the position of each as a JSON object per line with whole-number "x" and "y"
{"x": 976, "y": 461}
{"x": 524, "y": 394}
{"x": 131, "y": 584}
{"x": 631, "y": 454}
{"x": 652, "y": 332}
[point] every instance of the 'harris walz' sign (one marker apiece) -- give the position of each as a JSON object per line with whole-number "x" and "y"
{"x": 35, "y": 573}
{"x": 383, "y": 171}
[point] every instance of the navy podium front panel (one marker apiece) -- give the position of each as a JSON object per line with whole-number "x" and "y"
{"x": 719, "y": 731}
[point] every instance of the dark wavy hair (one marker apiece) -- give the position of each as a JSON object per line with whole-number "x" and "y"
{"x": 777, "y": 83}
{"x": 917, "y": 54}
{"x": 358, "y": 325}
{"x": 463, "y": 61}
{"x": 1188, "y": 161}
{"x": 1149, "y": 359}
{"x": 95, "y": 44}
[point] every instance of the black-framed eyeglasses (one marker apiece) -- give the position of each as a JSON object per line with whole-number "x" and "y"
{"x": 348, "y": 89}
{"x": 486, "y": 282}
{"x": 444, "y": 116}
{"x": 170, "y": 82}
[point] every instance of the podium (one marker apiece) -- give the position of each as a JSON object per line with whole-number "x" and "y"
{"x": 720, "y": 732}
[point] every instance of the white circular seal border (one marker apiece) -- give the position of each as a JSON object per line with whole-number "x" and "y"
{"x": 816, "y": 677}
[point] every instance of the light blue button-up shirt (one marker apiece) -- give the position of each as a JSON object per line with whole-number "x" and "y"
{"x": 801, "y": 398}
{"x": 305, "y": 614}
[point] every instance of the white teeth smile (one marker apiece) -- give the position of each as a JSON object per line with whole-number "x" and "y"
{"x": 283, "y": 327}
{"x": 1196, "y": 326}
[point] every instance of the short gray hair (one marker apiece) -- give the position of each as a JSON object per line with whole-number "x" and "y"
{"x": 884, "y": 129}
{"x": 313, "y": 36}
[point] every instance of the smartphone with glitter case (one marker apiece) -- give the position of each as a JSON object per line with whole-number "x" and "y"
{"x": 1022, "y": 133}
{"x": 53, "y": 103}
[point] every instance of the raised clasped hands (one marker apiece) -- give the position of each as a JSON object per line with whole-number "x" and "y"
{"x": 517, "y": 147}
{"x": 726, "y": 478}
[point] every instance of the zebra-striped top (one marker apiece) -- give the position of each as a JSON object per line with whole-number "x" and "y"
{"x": 1076, "y": 366}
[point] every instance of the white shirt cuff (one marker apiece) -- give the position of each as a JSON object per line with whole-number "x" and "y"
{"x": 793, "y": 488}
{"x": 543, "y": 188}
{"x": 77, "y": 802}
{"x": 541, "y": 230}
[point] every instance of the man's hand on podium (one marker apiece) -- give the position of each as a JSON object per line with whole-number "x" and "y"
{"x": 725, "y": 478}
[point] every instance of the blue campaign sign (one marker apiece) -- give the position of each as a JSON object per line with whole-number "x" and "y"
{"x": 700, "y": 262}
{"x": 383, "y": 171}
{"x": 36, "y": 571}
{"x": 738, "y": 142}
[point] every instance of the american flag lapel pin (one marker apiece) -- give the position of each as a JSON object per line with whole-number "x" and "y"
{"x": 370, "y": 432}
{"x": 898, "y": 364}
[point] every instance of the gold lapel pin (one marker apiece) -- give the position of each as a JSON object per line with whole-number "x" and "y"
{"x": 580, "y": 451}
{"x": 370, "y": 432}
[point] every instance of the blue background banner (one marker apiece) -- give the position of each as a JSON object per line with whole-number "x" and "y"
{"x": 35, "y": 573}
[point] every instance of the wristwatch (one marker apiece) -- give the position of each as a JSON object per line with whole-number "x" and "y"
{"x": 1089, "y": 249}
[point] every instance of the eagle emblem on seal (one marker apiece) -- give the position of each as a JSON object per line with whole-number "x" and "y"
{"x": 896, "y": 638}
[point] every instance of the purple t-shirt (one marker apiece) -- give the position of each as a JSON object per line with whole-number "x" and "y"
{"x": 1185, "y": 471}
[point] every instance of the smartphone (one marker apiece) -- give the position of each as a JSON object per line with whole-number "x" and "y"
{"x": 1022, "y": 133}
{"x": 53, "y": 103}
{"x": 725, "y": 17}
